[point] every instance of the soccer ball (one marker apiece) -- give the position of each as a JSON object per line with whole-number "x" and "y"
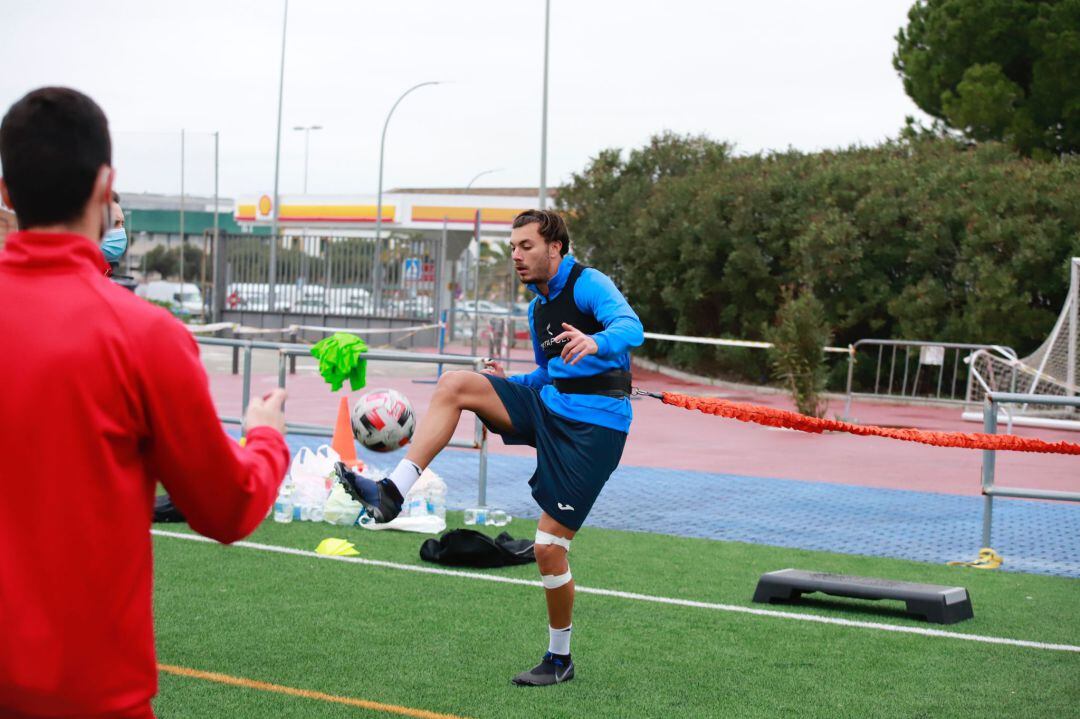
{"x": 383, "y": 420}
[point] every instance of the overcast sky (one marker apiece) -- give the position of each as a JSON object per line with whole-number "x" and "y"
{"x": 762, "y": 74}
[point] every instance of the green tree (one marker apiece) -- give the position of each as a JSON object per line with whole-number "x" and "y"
{"x": 159, "y": 259}
{"x": 997, "y": 70}
{"x": 624, "y": 217}
{"x": 798, "y": 357}
{"x": 166, "y": 262}
{"x": 927, "y": 238}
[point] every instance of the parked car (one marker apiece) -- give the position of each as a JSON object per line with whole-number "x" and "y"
{"x": 309, "y": 306}
{"x": 182, "y": 299}
{"x": 254, "y": 297}
{"x": 350, "y": 301}
{"x": 421, "y": 305}
{"x": 483, "y": 306}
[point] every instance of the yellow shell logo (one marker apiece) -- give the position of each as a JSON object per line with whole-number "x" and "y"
{"x": 265, "y": 205}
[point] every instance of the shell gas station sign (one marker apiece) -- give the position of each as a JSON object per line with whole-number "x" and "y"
{"x": 264, "y": 208}
{"x": 419, "y": 211}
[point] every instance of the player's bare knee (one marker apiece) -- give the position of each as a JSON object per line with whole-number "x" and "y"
{"x": 472, "y": 391}
{"x": 550, "y": 559}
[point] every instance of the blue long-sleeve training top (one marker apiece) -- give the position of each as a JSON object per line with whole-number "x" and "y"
{"x": 595, "y": 294}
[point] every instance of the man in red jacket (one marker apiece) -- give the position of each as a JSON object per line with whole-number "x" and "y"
{"x": 103, "y": 395}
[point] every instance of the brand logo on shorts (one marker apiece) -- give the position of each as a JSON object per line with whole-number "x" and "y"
{"x": 565, "y": 507}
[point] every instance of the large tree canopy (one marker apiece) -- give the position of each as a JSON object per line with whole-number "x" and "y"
{"x": 926, "y": 239}
{"x": 997, "y": 69}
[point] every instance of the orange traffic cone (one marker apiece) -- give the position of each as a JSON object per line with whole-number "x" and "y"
{"x": 342, "y": 443}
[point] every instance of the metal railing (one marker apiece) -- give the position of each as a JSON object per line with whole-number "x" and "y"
{"x": 719, "y": 342}
{"x": 926, "y": 354}
{"x": 287, "y": 352}
{"x": 989, "y": 489}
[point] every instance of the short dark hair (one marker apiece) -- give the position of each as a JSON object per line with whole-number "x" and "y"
{"x": 53, "y": 143}
{"x": 552, "y": 228}
{"x": 116, "y": 197}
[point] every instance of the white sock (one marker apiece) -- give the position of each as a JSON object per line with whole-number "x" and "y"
{"x": 559, "y": 640}
{"x": 405, "y": 475}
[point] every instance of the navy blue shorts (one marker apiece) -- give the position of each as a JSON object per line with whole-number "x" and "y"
{"x": 573, "y": 459}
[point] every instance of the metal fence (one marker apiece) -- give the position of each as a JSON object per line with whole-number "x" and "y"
{"x": 333, "y": 275}
{"x": 910, "y": 370}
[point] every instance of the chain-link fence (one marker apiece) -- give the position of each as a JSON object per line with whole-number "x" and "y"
{"x": 332, "y": 275}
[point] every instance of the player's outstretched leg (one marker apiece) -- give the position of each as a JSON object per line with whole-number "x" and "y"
{"x": 456, "y": 391}
{"x": 551, "y": 547}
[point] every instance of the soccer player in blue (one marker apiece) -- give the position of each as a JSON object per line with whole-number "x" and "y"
{"x": 574, "y": 408}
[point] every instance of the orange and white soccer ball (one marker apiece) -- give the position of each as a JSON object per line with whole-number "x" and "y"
{"x": 383, "y": 420}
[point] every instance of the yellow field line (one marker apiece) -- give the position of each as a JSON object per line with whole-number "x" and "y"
{"x": 303, "y": 693}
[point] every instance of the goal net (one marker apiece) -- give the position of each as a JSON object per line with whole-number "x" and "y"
{"x": 1049, "y": 370}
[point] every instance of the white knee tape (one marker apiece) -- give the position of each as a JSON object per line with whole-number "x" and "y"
{"x": 554, "y": 581}
{"x": 545, "y": 538}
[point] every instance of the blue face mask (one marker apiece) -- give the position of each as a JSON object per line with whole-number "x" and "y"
{"x": 114, "y": 244}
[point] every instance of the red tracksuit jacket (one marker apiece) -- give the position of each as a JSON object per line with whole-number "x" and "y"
{"x": 101, "y": 395}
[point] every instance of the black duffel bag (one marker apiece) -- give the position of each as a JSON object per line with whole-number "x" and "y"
{"x": 469, "y": 548}
{"x": 165, "y": 510}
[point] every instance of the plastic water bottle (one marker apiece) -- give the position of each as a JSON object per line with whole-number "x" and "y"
{"x": 283, "y": 505}
{"x": 309, "y": 513}
{"x": 476, "y": 516}
{"x": 417, "y": 506}
{"x": 283, "y": 509}
{"x": 437, "y": 502}
{"x": 486, "y": 516}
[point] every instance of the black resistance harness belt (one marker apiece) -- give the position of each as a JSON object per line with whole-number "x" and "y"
{"x": 615, "y": 383}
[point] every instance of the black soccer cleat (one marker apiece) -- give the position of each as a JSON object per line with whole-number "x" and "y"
{"x": 381, "y": 499}
{"x": 552, "y": 669}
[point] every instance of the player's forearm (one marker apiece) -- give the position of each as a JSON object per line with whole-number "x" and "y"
{"x": 620, "y": 335}
{"x": 535, "y": 379}
{"x": 227, "y": 492}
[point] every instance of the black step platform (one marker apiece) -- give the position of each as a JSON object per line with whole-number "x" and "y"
{"x": 933, "y": 602}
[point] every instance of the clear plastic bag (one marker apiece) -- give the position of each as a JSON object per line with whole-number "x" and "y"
{"x": 340, "y": 508}
{"x": 424, "y": 508}
{"x": 312, "y": 476}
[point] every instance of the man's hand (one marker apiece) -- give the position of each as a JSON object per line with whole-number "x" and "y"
{"x": 493, "y": 368}
{"x": 579, "y": 344}
{"x": 267, "y": 412}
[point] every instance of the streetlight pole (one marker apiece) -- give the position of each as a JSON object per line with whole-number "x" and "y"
{"x": 307, "y": 136}
{"x": 183, "y": 237}
{"x": 277, "y": 168}
{"x": 544, "y": 113}
{"x": 218, "y": 292}
{"x": 377, "y": 264}
{"x": 481, "y": 174}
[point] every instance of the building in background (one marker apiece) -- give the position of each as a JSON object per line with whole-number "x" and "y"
{"x": 7, "y": 224}
{"x": 155, "y": 221}
{"x": 441, "y": 253}
{"x": 429, "y": 256}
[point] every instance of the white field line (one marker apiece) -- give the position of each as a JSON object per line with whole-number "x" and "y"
{"x": 640, "y": 597}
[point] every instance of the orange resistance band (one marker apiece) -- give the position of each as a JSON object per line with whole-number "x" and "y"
{"x": 793, "y": 420}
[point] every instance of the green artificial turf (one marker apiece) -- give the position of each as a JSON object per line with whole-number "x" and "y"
{"x": 449, "y": 644}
